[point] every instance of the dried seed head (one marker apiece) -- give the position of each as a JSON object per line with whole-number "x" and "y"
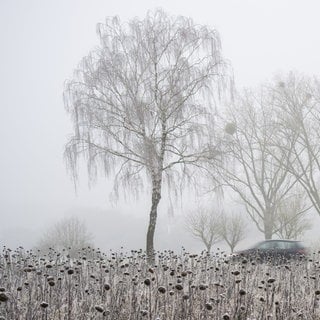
{"x": 242, "y": 292}
{"x": 162, "y": 289}
{"x": 144, "y": 312}
{"x": 106, "y": 313}
{"x": 147, "y": 282}
{"x": 99, "y": 308}
{"x": 3, "y": 297}
{"x": 202, "y": 287}
{"x": 179, "y": 287}
{"x": 208, "y": 306}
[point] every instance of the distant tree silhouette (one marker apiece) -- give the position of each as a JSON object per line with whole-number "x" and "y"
{"x": 68, "y": 234}
{"x": 204, "y": 225}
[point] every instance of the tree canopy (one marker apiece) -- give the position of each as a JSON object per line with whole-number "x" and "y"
{"x": 142, "y": 103}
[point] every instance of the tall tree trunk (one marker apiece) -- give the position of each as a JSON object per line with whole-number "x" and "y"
{"x": 268, "y": 229}
{"x": 208, "y": 247}
{"x": 156, "y": 196}
{"x": 268, "y": 222}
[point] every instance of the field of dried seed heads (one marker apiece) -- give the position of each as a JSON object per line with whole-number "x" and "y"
{"x": 178, "y": 286}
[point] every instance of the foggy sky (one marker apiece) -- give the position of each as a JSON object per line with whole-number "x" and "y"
{"x": 42, "y": 41}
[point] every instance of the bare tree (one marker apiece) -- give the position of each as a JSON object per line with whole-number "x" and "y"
{"x": 68, "y": 233}
{"x": 232, "y": 229}
{"x": 141, "y": 104}
{"x": 250, "y": 169}
{"x": 298, "y": 101}
{"x": 204, "y": 225}
{"x": 291, "y": 219}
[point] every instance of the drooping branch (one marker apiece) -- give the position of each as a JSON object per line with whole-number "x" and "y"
{"x": 142, "y": 101}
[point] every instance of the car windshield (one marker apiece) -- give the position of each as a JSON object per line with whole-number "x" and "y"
{"x": 264, "y": 245}
{"x": 285, "y": 245}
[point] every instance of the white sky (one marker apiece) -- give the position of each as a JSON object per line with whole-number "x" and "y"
{"x": 43, "y": 40}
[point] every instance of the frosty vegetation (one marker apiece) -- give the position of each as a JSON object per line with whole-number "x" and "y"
{"x": 185, "y": 286}
{"x": 153, "y": 107}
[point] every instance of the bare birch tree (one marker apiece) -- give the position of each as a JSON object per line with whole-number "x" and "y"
{"x": 204, "y": 225}
{"x": 141, "y": 103}
{"x": 251, "y": 170}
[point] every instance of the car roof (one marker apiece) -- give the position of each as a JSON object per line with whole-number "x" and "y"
{"x": 282, "y": 240}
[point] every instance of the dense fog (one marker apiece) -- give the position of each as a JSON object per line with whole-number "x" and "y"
{"x": 42, "y": 42}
